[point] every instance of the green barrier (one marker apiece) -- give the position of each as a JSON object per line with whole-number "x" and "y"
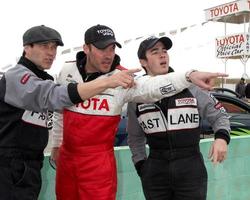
{"x": 227, "y": 181}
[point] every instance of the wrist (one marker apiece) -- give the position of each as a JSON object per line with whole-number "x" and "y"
{"x": 188, "y": 74}
{"x": 223, "y": 134}
{"x": 105, "y": 83}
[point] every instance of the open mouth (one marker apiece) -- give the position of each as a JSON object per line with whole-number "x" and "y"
{"x": 163, "y": 63}
{"x": 107, "y": 63}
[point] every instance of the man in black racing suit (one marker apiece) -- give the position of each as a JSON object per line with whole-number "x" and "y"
{"x": 174, "y": 169}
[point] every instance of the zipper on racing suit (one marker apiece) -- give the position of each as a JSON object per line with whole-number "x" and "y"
{"x": 165, "y": 120}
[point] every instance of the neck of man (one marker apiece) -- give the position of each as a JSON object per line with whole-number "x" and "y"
{"x": 89, "y": 67}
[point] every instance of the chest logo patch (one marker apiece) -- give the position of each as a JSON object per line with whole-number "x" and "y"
{"x": 186, "y": 102}
{"x": 95, "y": 104}
{"x": 183, "y": 118}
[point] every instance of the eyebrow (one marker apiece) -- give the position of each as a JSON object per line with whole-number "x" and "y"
{"x": 157, "y": 48}
{"x": 154, "y": 49}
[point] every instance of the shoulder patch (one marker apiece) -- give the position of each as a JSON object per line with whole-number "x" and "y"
{"x": 220, "y": 107}
{"x": 25, "y": 78}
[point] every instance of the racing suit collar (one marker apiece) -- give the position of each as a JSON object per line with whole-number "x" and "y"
{"x": 81, "y": 62}
{"x": 32, "y": 67}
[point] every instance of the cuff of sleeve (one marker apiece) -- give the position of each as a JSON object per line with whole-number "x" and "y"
{"x": 223, "y": 134}
{"x": 187, "y": 75}
{"x": 73, "y": 93}
{"x": 138, "y": 166}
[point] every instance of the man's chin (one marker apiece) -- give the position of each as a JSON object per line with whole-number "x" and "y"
{"x": 45, "y": 67}
{"x": 164, "y": 68}
{"x": 105, "y": 69}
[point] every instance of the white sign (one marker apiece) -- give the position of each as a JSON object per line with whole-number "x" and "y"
{"x": 232, "y": 46}
{"x": 227, "y": 9}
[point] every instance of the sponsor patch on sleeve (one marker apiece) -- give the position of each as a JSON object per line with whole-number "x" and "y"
{"x": 220, "y": 107}
{"x": 25, "y": 78}
{"x": 167, "y": 89}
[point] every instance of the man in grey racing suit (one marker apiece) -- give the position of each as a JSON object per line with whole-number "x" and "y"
{"x": 174, "y": 169}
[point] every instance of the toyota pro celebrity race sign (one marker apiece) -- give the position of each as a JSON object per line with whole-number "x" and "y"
{"x": 232, "y": 46}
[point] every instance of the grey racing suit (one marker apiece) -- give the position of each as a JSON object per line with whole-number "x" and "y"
{"x": 28, "y": 96}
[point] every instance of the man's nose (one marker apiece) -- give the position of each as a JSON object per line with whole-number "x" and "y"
{"x": 109, "y": 54}
{"x": 51, "y": 51}
{"x": 163, "y": 54}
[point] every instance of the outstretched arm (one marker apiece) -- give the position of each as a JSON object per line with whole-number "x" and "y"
{"x": 204, "y": 79}
{"x": 153, "y": 88}
{"x": 123, "y": 78}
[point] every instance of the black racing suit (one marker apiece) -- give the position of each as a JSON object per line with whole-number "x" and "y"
{"x": 174, "y": 169}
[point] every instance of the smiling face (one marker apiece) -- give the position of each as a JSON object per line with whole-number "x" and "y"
{"x": 99, "y": 60}
{"x": 157, "y": 60}
{"x": 41, "y": 54}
